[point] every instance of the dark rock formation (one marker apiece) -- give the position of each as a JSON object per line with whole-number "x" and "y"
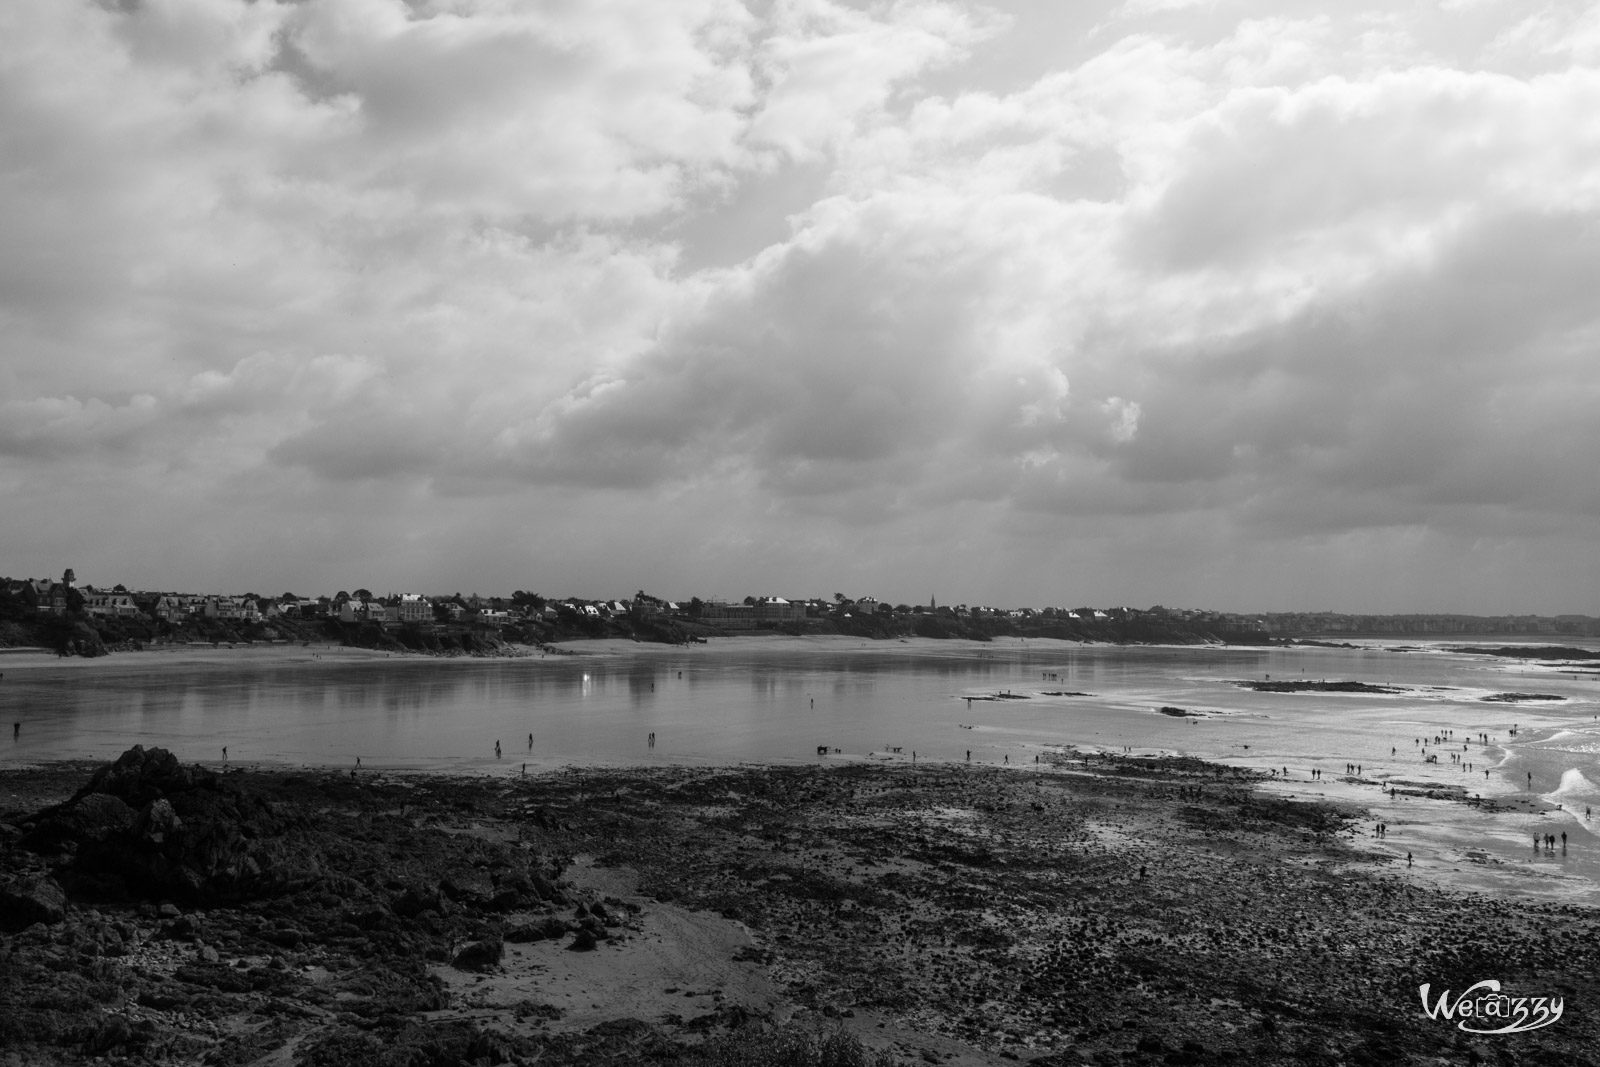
{"x": 34, "y": 898}
{"x": 479, "y": 955}
{"x": 148, "y": 826}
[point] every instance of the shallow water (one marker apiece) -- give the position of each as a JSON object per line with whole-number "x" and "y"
{"x": 777, "y": 702}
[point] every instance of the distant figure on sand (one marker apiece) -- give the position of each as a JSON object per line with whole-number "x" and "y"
{"x": 1408, "y": 859}
{"x": 224, "y": 753}
{"x": 497, "y": 750}
{"x": 16, "y": 730}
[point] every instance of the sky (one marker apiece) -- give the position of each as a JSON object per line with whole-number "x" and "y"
{"x": 1252, "y": 305}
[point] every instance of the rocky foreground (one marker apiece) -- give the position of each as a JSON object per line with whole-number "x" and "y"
{"x": 1103, "y": 911}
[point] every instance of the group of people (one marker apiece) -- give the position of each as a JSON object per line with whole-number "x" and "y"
{"x": 1550, "y": 842}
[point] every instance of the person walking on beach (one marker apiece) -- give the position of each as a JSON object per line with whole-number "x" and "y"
{"x": 1408, "y": 859}
{"x": 16, "y": 730}
{"x": 224, "y": 753}
{"x": 530, "y": 742}
{"x": 497, "y": 749}
{"x": 1563, "y": 841}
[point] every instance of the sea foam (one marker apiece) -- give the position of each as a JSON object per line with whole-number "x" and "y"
{"x": 1575, "y": 788}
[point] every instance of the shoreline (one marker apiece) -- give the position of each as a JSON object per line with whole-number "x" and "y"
{"x": 1458, "y": 846}
{"x": 1467, "y": 845}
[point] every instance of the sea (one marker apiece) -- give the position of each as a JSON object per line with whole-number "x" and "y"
{"x": 1011, "y": 703}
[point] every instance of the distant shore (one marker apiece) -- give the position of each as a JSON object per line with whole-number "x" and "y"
{"x": 196, "y": 654}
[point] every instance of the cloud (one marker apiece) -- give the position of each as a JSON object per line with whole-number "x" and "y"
{"x": 1279, "y": 281}
{"x": 828, "y": 70}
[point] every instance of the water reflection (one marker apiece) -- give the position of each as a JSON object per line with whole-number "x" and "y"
{"x": 726, "y": 705}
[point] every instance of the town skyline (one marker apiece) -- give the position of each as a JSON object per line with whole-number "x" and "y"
{"x": 621, "y": 601}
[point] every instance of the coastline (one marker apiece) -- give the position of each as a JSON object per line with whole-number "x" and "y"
{"x": 1464, "y": 845}
{"x": 1127, "y": 910}
{"x": 606, "y": 648}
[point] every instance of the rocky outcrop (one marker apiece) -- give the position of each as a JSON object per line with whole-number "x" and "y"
{"x": 148, "y": 826}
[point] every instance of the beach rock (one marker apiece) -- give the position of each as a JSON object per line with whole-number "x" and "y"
{"x": 88, "y": 818}
{"x": 468, "y": 888}
{"x": 34, "y": 898}
{"x": 141, "y": 775}
{"x": 512, "y": 890}
{"x": 542, "y": 887}
{"x": 284, "y": 937}
{"x": 416, "y": 900}
{"x": 479, "y": 955}
{"x": 585, "y": 941}
{"x": 112, "y": 1033}
{"x": 147, "y": 826}
{"x": 547, "y": 929}
{"x": 156, "y": 822}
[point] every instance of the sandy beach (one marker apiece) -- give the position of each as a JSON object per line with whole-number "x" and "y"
{"x": 167, "y": 657}
{"x": 1108, "y": 910}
